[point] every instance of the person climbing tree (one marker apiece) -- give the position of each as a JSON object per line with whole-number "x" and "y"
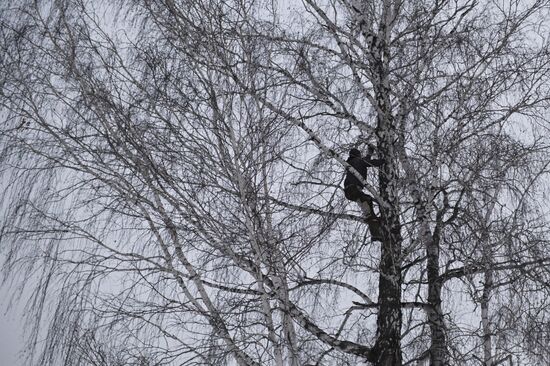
{"x": 353, "y": 187}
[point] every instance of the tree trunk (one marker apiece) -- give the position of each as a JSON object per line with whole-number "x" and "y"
{"x": 388, "y": 345}
{"x": 438, "y": 348}
{"x": 485, "y": 321}
{"x": 488, "y": 282}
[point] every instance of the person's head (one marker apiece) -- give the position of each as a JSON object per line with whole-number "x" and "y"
{"x": 355, "y": 153}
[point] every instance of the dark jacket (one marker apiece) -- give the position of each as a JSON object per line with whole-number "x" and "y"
{"x": 361, "y": 164}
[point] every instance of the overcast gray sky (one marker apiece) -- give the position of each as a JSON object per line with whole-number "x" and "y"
{"x": 10, "y": 331}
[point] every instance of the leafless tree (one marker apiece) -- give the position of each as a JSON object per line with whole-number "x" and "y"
{"x": 172, "y": 181}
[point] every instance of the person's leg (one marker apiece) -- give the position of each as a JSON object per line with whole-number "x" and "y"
{"x": 355, "y": 194}
{"x": 366, "y": 203}
{"x": 352, "y": 193}
{"x": 375, "y": 229}
{"x": 372, "y": 219}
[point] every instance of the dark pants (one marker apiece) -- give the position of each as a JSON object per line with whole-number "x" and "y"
{"x": 354, "y": 193}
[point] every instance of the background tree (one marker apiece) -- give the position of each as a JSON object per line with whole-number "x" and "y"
{"x": 174, "y": 171}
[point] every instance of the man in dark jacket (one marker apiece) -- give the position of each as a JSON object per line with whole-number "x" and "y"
{"x": 353, "y": 187}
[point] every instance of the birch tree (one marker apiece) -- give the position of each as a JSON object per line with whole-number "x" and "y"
{"x": 172, "y": 181}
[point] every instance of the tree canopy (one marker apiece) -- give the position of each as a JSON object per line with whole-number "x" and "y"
{"x": 172, "y": 181}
